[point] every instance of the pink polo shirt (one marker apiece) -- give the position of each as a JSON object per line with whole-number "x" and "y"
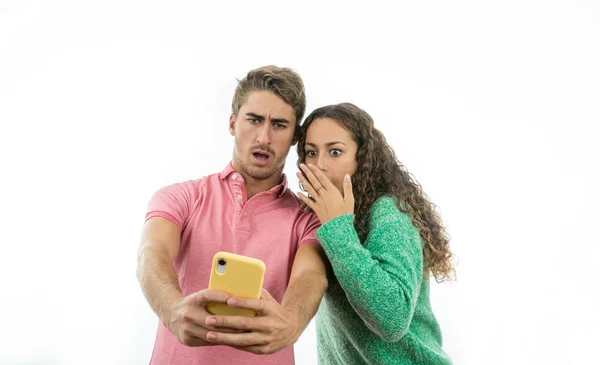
{"x": 215, "y": 215}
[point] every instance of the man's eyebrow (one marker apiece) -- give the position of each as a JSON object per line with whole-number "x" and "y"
{"x": 280, "y": 120}
{"x": 255, "y": 116}
{"x": 328, "y": 144}
{"x": 262, "y": 117}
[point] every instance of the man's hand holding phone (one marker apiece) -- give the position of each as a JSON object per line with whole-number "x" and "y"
{"x": 263, "y": 325}
{"x": 272, "y": 329}
{"x": 187, "y": 317}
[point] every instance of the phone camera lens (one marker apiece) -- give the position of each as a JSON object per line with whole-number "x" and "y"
{"x": 222, "y": 262}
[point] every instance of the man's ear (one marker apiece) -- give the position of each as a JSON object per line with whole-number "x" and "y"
{"x": 296, "y": 135}
{"x": 232, "y": 124}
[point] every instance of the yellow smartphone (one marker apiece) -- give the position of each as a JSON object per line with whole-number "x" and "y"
{"x": 239, "y": 275}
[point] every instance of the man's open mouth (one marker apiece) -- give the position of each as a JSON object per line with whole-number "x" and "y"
{"x": 261, "y": 156}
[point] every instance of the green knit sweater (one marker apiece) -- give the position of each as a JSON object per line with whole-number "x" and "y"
{"x": 376, "y": 309}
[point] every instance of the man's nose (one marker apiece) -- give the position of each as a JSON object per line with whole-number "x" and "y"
{"x": 264, "y": 134}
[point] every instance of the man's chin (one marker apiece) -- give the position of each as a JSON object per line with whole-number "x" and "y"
{"x": 260, "y": 172}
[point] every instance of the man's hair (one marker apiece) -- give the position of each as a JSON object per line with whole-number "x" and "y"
{"x": 283, "y": 82}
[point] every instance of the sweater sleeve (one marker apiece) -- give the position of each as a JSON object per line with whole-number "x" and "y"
{"x": 381, "y": 279}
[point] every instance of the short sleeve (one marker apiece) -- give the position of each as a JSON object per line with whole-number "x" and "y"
{"x": 175, "y": 202}
{"x": 308, "y": 230}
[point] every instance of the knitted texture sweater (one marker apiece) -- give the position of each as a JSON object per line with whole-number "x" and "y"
{"x": 376, "y": 309}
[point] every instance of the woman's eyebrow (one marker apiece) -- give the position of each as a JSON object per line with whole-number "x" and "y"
{"x": 328, "y": 144}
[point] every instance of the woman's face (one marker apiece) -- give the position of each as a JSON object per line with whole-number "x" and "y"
{"x": 331, "y": 148}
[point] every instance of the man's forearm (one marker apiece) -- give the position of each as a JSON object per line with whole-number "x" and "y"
{"x": 158, "y": 280}
{"x": 303, "y": 297}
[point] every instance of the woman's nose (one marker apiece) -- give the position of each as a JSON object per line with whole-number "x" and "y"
{"x": 322, "y": 163}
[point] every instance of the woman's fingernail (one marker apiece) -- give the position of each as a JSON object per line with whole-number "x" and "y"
{"x": 211, "y": 336}
{"x": 210, "y": 321}
{"x": 347, "y": 177}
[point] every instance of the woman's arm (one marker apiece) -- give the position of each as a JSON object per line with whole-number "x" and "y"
{"x": 381, "y": 279}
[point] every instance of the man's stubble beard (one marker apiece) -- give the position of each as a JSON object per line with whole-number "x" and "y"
{"x": 258, "y": 173}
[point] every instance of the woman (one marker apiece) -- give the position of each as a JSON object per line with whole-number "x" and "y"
{"x": 382, "y": 237}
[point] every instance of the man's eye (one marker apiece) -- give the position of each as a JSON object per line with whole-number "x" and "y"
{"x": 336, "y": 153}
{"x": 253, "y": 120}
{"x": 279, "y": 126}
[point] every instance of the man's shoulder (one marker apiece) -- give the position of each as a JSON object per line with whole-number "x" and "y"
{"x": 185, "y": 184}
{"x": 192, "y": 186}
{"x": 292, "y": 202}
{"x": 214, "y": 177}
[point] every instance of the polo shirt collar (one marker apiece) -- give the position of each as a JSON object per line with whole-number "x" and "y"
{"x": 279, "y": 189}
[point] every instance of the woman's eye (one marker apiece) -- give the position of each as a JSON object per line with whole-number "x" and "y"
{"x": 336, "y": 153}
{"x": 311, "y": 153}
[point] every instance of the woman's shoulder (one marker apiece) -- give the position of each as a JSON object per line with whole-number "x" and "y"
{"x": 385, "y": 206}
{"x": 385, "y": 210}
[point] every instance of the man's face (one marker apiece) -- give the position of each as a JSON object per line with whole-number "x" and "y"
{"x": 264, "y": 132}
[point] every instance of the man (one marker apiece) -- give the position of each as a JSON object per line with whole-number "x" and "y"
{"x": 246, "y": 209}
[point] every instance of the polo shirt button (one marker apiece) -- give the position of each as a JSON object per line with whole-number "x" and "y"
{"x": 234, "y": 176}
{"x": 245, "y": 214}
{"x": 239, "y": 197}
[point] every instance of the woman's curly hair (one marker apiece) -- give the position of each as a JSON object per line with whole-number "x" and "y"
{"x": 379, "y": 173}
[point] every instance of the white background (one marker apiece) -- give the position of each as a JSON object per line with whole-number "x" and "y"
{"x": 493, "y": 106}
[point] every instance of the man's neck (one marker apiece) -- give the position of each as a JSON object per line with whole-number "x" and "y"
{"x": 256, "y": 186}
